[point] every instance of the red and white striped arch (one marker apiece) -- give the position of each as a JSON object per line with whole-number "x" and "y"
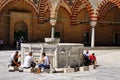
{"x": 65, "y": 7}
{"x": 89, "y": 9}
{"x": 42, "y": 7}
{"x": 75, "y": 10}
{"x": 105, "y": 6}
{"x": 8, "y": 2}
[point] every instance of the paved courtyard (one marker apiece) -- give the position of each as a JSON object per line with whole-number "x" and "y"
{"x": 109, "y": 69}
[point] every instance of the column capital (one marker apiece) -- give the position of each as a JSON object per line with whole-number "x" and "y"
{"x": 53, "y": 16}
{"x": 93, "y": 23}
{"x": 53, "y": 21}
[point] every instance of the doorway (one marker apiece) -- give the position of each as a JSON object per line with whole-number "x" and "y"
{"x": 20, "y": 32}
{"x": 86, "y": 39}
{"x": 116, "y": 39}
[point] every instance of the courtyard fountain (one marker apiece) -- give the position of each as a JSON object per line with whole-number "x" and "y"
{"x": 61, "y": 55}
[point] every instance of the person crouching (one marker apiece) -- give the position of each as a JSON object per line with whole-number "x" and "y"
{"x": 44, "y": 63}
{"x": 28, "y": 61}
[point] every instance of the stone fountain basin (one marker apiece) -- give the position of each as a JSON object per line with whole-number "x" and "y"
{"x": 52, "y": 40}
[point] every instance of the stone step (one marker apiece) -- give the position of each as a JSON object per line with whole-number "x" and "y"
{"x": 29, "y": 70}
{"x": 59, "y": 70}
{"x": 86, "y": 68}
{"x": 91, "y": 67}
{"x": 68, "y": 70}
{"x": 13, "y": 68}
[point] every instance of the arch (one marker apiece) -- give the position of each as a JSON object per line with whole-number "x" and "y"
{"x": 67, "y": 13}
{"x": 89, "y": 9}
{"x": 75, "y": 10}
{"x": 7, "y": 2}
{"x": 44, "y": 6}
{"x": 105, "y": 13}
{"x": 64, "y": 5}
{"x": 86, "y": 13}
{"x": 102, "y": 8}
{"x": 20, "y": 25}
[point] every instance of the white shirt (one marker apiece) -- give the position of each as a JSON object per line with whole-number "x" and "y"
{"x": 12, "y": 57}
{"x": 86, "y": 54}
{"x": 46, "y": 60}
{"x": 27, "y": 61}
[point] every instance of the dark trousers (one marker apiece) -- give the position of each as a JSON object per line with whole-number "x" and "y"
{"x": 13, "y": 64}
{"x": 32, "y": 65}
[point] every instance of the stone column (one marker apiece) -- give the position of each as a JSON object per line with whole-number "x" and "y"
{"x": 52, "y": 30}
{"x": 69, "y": 57}
{"x": 22, "y": 54}
{"x": 53, "y": 15}
{"x": 56, "y": 58}
{"x": 53, "y": 21}
{"x": 93, "y": 24}
{"x": 30, "y": 47}
{"x": 42, "y": 50}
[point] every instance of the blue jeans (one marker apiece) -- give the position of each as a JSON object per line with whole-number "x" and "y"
{"x": 44, "y": 66}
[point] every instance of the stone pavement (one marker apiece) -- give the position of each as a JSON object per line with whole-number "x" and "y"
{"x": 109, "y": 61}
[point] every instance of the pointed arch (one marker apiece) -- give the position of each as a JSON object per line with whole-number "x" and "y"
{"x": 104, "y": 10}
{"x": 105, "y": 6}
{"x": 89, "y": 9}
{"x": 7, "y": 2}
{"x": 75, "y": 9}
{"x": 44, "y": 6}
{"x": 64, "y": 5}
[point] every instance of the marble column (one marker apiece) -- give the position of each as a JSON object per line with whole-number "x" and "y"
{"x": 53, "y": 28}
{"x": 93, "y": 24}
{"x": 56, "y": 58}
{"x": 53, "y": 14}
{"x": 53, "y": 17}
{"x": 22, "y": 54}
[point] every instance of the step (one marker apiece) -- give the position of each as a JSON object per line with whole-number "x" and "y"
{"x": 13, "y": 68}
{"x": 29, "y": 70}
{"x": 68, "y": 70}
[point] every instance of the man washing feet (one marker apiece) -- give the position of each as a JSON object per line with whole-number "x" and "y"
{"x": 44, "y": 63}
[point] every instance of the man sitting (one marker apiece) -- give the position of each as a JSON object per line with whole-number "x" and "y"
{"x": 28, "y": 61}
{"x": 45, "y": 63}
{"x": 86, "y": 58}
{"x": 14, "y": 59}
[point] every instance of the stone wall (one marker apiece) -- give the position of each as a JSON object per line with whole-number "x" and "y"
{"x": 69, "y": 33}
